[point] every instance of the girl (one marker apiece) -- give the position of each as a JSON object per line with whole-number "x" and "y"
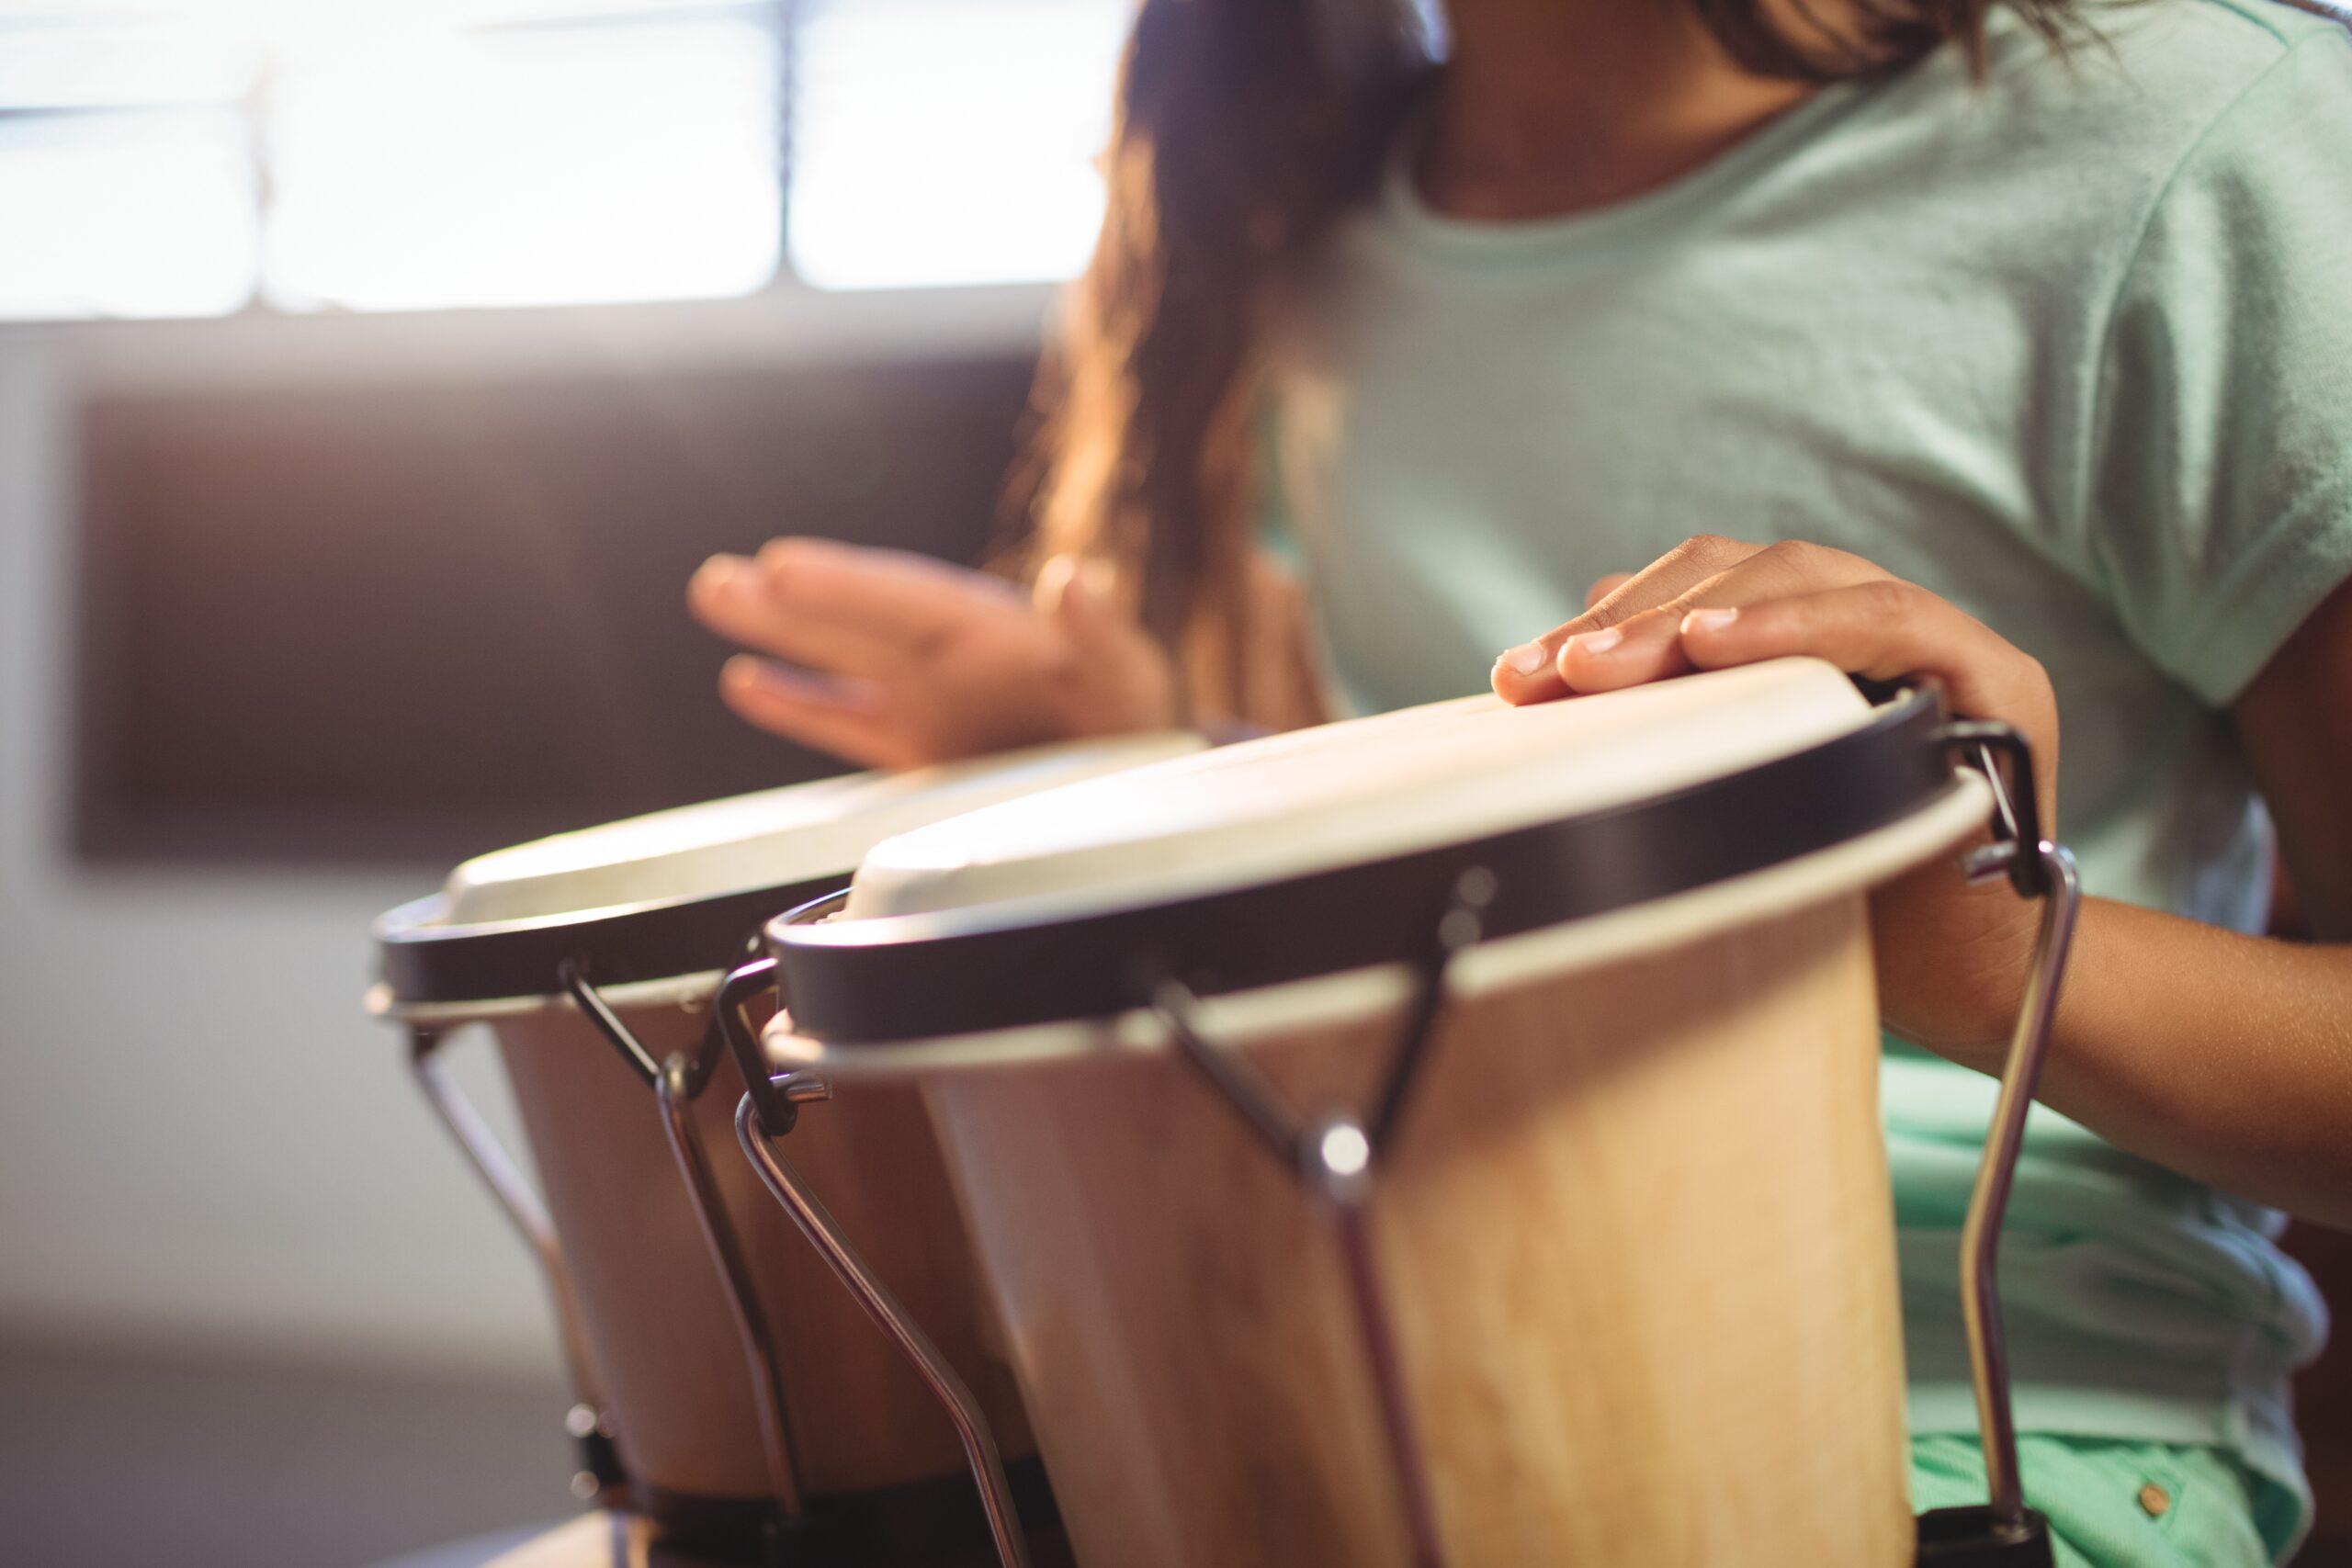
{"x": 2032, "y": 323}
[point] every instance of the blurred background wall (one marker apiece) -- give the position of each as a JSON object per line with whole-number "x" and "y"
{"x": 370, "y": 377}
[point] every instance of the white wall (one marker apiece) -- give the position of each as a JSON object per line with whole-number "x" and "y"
{"x": 202, "y": 1140}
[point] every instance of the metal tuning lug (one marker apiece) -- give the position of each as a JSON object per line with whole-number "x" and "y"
{"x": 599, "y": 1013}
{"x": 601, "y": 1476}
{"x": 2005, "y": 1532}
{"x": 981, "y": 1450}
{"x": 675, "y": 1090}
{"x": 1337, "y": 1159}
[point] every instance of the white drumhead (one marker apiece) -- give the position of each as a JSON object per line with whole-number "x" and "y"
{"x": 771, "y": 839}
{"x": 1347, "y": 792}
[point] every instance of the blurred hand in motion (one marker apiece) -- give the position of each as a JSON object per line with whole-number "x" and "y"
{"x": 895, "y": 660}
{"x": 1951, "y": 958}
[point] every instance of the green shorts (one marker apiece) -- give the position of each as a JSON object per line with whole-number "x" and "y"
{"x": 2120, "y": 1505}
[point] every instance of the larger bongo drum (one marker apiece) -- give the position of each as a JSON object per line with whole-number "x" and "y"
{"x": 823, "y": 1445}
{"x": 1450, "y": 1135}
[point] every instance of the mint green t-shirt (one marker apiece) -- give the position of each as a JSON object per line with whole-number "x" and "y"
{"x": 2072, "y": 349}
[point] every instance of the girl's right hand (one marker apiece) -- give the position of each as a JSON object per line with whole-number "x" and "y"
{"x": 896, "y": 661}
{"x": 1952, "y": 958}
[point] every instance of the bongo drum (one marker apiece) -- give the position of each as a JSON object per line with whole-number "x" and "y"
{"x": 1445, "y": 1136}
{"x": 728, "y": 1389}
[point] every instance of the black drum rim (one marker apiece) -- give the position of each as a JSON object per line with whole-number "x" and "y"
{"x": 901, "y": 980}
{"x": 423, "y": 961}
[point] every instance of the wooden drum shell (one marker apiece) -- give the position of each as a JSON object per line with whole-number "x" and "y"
{"x": 1635, "y": 1234}
{"x": 654, "y": 1312}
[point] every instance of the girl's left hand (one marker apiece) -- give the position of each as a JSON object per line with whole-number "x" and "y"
{"x": 1951, "y": 958}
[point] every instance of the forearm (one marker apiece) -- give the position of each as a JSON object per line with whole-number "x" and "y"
{"x": 2225, "y": 1057}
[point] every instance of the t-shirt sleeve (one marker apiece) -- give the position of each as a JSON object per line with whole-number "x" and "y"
{"x": 2219, "y": 492}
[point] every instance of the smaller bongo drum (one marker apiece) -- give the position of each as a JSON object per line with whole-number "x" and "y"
{"x": 1445, "y": 1136}
{"x": 672, "y": 1274}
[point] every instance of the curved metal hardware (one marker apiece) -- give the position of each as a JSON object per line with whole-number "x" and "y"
{"x": 676, "y": 1083}
{"x": 971, "y": 1427}
{"x": 1338, "y": 1157}
{"x": 2016, "y": 810}
{"x": 1461, "y": 926}
{"x": 589, "y": 1422}
{"x": 1234, "y": 1075}
{"x": 1245, "y": 1091}
{"x": 742, "y": 1042}
{"x": 675, "y": 1089}
{"x": 1981, "y": 1233}
{"x": 2004, "y": 815}
{"x": 1341, "y": 1167}
{"x": 607, "y": 1023}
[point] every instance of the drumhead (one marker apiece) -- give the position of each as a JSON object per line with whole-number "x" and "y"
{"x": 1358, "y": 790}
{"x": 679, "y": 892}
{"x": 1337, "y": 848}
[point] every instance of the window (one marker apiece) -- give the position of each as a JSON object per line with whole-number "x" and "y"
{"x": 526, "y": 166}
{"x": 126, "y": 171}
{"x": 145, "y": 214}
{"x": 392, "y": 154}
{"x": 939, "y": 141}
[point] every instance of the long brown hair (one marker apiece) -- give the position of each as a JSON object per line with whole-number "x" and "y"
{"x": 1244, "y": 129}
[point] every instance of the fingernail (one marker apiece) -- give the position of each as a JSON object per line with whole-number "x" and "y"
{"x": 1709, "y": 620}
{"x": 717, "y": 573}
{"x": 1601, "y": 642}
{"x": 1528, "y": 658}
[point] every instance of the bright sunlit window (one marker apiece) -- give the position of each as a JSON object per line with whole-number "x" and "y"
{"x": 131, "y": 215}
{"x": 941, "y": 141}
{"x": 198, "y": 157}
{"x": 60, "y": 56}
{"x": 527, "y": 167}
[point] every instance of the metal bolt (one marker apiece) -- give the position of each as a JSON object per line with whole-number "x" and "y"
{"x": 1987, "y": 862}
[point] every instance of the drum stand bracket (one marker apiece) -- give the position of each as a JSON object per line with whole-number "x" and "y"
{"x": 1337, "y": 1155}
{"x": 677, "y": 1081}
{"x": 2005, "y": 1532}
{"x": 972, "y": 1428}
{"x": 601, "y": 1477}
{"x": 782, "y": 1099}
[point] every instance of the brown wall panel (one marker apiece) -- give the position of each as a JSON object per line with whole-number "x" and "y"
{"x": 404, "y": 623}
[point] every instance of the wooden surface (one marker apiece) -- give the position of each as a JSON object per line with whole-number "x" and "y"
{"x": 656, "y": 1318}
{"x": 1636, "y": 1235}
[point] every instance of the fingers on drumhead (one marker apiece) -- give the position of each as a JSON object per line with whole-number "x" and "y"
{"x": 1885, "y": 629}
{"x": 1604, "y": 586}
{"x": 1640, "y": 648}
{"x": 1525, "y": 674}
